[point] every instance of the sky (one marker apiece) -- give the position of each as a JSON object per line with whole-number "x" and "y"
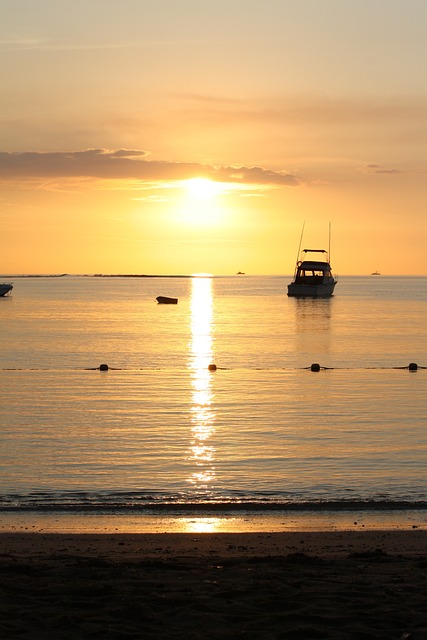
{"x": 199, "y": 136}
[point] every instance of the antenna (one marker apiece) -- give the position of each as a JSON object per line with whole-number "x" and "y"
{"x": 329, "y": 249}
{"x": 300, "y": 240}
{"x": 299, "y": 247}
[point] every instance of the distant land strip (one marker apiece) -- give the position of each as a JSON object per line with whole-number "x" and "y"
{"x": 102, "y": 275}
{"x": 140, "y": 275}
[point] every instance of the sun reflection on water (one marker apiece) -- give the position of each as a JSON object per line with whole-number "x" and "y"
{"x": 204, "y": 525}
{"x": 202, "y": 452}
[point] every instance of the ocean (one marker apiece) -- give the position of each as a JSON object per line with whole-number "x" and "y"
{"x": 160, "y": 438}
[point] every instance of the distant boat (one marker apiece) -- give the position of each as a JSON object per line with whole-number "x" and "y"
{"x": 5, "y": 288}
{"x": 166, "y": 300}
{"x": 240, "y": 273}
{"x": 375, "y": 273}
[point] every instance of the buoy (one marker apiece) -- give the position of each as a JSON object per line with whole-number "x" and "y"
{"x": 212, "y": 367}
{"x": 413, "y": 366}
{"x": 103, "y": 367}
{"x": 315, "y": 367}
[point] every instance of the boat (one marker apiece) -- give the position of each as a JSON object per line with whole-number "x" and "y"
{"x": 375, "y": 273}
{"x": 313, "y": 277}
{"x": 166, "y": 300}
{"x": 5, "y": 288}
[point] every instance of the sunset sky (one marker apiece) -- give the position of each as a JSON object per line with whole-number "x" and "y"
{"x": 183, "y": 136}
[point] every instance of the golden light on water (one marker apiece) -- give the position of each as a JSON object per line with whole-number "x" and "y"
{"x": 202, "y": 452}
{"x": 204, "y": 525}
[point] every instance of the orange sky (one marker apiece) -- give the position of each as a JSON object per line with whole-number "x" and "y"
{"x": 291, "y": 111}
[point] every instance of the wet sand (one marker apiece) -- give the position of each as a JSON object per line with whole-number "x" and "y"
{"x": 346, "y": 584}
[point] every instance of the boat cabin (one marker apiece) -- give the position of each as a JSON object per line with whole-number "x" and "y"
{"x": 309, "y": 272}
{"x": 313, "y": 278}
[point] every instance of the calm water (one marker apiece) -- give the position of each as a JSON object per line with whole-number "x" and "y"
{"x": 263, "y": 431}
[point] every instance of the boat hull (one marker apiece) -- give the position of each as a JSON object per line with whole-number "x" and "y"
{"x": 5, "y": 288}
{"x": 324, "y": 290}
{"x": 166, "y": 300}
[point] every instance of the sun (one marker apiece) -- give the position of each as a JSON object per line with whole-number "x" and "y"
{"x": 202, "y": 188}
{"x": 200, "y": 203}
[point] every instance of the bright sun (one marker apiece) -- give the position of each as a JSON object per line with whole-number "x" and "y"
{"x": 202, "y": 188}
{"x": 200, "y": 205}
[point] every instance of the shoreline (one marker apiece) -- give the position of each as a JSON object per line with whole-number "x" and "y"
{"x": 213, "y": 521}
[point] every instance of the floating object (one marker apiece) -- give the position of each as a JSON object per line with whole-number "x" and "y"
{"x": 103, "y": 367}
{"x": 212, "y": 367}
{"x": 166, "y": 300}
{"x": 375, "y": 273}
{"x": 412, "y": 366}
{"x": 312, "y": 278}
{"x": 240, "y": 273}
{"x": 315, "y": 367}
{"x": 5, "y": 288}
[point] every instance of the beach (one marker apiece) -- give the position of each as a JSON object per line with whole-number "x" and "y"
{"x": 162, "y": 500}
{"x": 330, "y": 584}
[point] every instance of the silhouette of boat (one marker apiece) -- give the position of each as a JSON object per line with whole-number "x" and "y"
{"x": 166, "y": 300}
{"x": 5, "y": 288}
{"x": 313, "y": 278}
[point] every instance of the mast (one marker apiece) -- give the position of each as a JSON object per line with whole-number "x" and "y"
{"x": 299, "y": 246}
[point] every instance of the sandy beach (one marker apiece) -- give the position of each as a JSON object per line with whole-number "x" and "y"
{"x": 346, "y": 584}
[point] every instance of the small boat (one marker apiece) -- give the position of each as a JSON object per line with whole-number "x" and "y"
{"x": 313, "y": 278}
{"x": 166, "y": 300}
{"x": 375, "y": 273}
{"x": 5, "y": 288}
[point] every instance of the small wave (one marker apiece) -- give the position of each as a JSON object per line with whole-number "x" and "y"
{"x": 86, "y": 502}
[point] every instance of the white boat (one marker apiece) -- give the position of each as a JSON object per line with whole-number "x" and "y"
{"x": 313, "y": 278}
{"x": 5, "y": 288}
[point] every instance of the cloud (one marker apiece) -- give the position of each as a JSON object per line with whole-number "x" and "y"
{"x": 128, "y": 164}
{"x": 39, "y": 44}
{"x": 376, "y": 168}
{"x": 306, "y": 110}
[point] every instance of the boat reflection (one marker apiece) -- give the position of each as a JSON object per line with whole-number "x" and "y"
{"x": 313, "y": 320}
{"x": 202, "y": 452}
{"x": 313, "y": 315}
